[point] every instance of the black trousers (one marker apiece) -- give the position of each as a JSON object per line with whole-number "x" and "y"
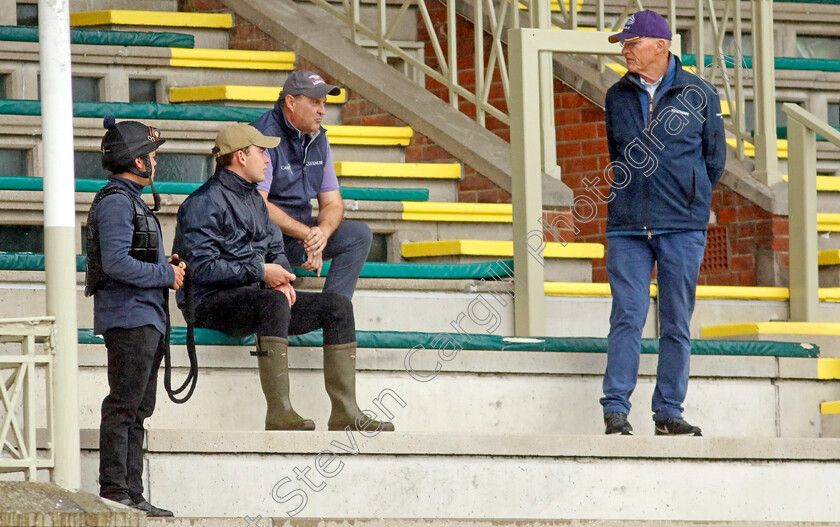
{"x": 244, "y": 311}
{"x": 134, "y": 357}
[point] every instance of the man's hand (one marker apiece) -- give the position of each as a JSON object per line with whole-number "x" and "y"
{"x": 314, "y": 263}
{"x": 315, "y": 241}
{"x": 275, "y": 276}
{"x": 289, "y": 291}
{"x": 179, "y": 273}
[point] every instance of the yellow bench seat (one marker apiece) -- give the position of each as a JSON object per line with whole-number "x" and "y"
{"x": 120, "y": 17}
{"x": 266, "y": 94}
{"x": 398, "y": 170}
{"x": 501, "y": 249}
{"x": 232, "y": 59}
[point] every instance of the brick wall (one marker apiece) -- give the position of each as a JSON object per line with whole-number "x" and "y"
{"x": 752, "y": 232}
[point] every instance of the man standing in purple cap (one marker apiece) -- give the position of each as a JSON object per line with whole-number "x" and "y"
{"x": 667, "y": 145}
{"x": 301, "y": 169}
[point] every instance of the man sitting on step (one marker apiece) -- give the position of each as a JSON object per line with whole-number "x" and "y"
{"x": 241, "y": 284}
{"x": 301, "y": 168}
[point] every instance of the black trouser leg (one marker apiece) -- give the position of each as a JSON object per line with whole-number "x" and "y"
{"x": 247, "y": 310}
{"x": 134, "y": 356}
{"x": 330, "y": 311}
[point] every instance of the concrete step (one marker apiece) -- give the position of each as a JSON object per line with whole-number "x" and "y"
{"x": 828, "y": 193}
{"x": 440, "y": 178}
{"x": 823, "y": 334}
{"x": 259, "y": 521}
{"x": 516, "y": 476}
{"x": 210, "y": 29}
{"x": 568, "y": 314}
{"x": 115, "y": 65}
{"x": 247, "y": 96}
{"x": 31, "y": 503}
{"x": 830, "y": 419}
{"x": 370, "y": 143}
{"x": 143, "y": 5}
{"x": 570, "y": 262}
{"x": 829, "y": 262}
{"x": 488, "y": 391}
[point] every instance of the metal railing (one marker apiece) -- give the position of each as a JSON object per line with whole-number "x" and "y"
{"x": 803, "y": 128}
{"x": 18, "y": 402}
{"x": 491, "y": 19}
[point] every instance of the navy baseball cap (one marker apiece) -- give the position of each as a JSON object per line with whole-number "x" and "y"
{"x": 303, "y": 82}
{"x": 645, "y": 23}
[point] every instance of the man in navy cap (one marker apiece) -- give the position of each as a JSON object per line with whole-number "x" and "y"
{"x": 301, "y": 169}
{"x": 667, "y": 146}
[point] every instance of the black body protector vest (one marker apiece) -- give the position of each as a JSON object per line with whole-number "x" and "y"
{"x": 144, "y": 243}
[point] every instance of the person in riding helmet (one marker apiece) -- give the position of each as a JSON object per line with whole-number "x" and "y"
{"x": 129, "y": 277}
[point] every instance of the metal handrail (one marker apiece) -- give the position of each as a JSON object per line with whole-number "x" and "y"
{"x": 803, "y": 128}
{"x": 494, "y": 17}
{"x": 18, "y": 448}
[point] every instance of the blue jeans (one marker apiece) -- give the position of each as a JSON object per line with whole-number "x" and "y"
{"x": 630, "y": 261}
{"x": 348, "y": 248}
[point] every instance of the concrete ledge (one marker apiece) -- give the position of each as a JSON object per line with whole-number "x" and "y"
{"x": 30, "y": 504}
{"x": 476, "y": 476}
{"x": 455, "y": 522}
{"x": 504, "y": 445}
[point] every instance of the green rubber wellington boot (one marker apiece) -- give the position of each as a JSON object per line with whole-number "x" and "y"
{"x": 340, "y": 381}
{"x": 274, "y": 378}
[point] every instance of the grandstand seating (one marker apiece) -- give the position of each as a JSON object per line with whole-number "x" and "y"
{"x": 493, "y": 403}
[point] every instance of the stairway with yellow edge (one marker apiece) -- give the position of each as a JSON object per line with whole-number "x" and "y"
{"x": 509, "y": 428}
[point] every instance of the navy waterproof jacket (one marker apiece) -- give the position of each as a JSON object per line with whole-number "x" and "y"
{"x": 297, "y": 162}
{"x": 226, "y": 236}
{"x": 665, "y": 164}
{"x": 136, "y": 292}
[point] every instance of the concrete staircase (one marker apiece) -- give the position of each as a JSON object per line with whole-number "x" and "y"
{"x": 497, "y": 434}
{"x": 343, "y": 475}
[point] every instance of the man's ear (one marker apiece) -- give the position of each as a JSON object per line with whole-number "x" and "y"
{"x": 140, "y": 163}
{"x": 290, "y": 102}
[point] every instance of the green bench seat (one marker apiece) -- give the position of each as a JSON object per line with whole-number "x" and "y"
{"x": 781, "y": 63}
{"x": 176, "y": 187}
{"x": 35, "y": 262}
{"x": 409, "y": 339}
{"x": 99, "y": 37}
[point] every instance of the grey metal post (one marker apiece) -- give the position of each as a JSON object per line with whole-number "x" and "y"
{"x": 764, "y": 86}
{"x": 526, "y": 169}
{"x": 802, "y": 210}
{"x": 59, "y": 230}
{"x": 542, "y": 10}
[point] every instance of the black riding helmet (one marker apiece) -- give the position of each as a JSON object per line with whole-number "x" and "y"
{"x": 126, "y": 141}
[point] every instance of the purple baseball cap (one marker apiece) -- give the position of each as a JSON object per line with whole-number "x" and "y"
{"x": 645, "y": 23}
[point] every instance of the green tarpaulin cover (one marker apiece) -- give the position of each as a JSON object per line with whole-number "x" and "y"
{"x": 105, "y": 38}
{"x": 411, "y": 339}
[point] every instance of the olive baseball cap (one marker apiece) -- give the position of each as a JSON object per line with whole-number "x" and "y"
{"x": 309, "y": 83}
{"x": 241, "y": 136}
